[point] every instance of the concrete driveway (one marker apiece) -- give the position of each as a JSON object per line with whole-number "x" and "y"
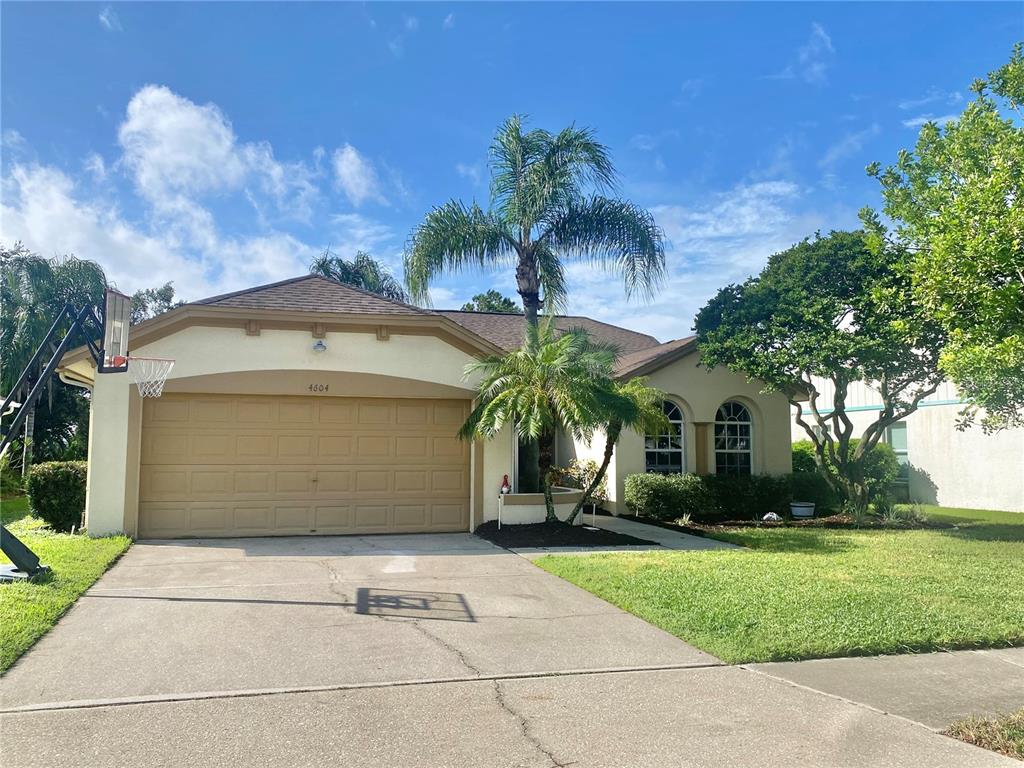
{"x": 429, "y": 650}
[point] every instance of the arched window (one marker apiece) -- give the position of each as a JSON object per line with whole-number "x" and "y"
{"x": 664, "y": 453}
{"x": 733, "y": 439}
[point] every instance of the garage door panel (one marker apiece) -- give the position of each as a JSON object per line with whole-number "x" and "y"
{"x": 374, "y": 446}
{"x": 332, "y": 518}
{"x": 293, "y": 482}
{"x": 220, "y": 465}
{"x": 372, "y": 517}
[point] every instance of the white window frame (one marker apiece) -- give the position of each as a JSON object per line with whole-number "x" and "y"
{"x": 726, "y": 423}
{"x": 668, "y": 436}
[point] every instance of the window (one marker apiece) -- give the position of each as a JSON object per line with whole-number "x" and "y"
{"x": 664, "y": 453}
{"x": 733, "y": 440}
{"x": 896, "y": 437}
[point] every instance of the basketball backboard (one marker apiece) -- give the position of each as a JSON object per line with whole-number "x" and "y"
{"x": 117, "y": 310}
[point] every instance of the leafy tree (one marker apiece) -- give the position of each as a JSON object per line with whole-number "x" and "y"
{"x": 830, "y": 308}
{"x": 150, "y": 302}
{"x": 492, "y": 301}
{"x": 542, "y": 214}
{"x": 553, "y": 382}
{"x": 957, "y": 203}
{"x": 33, "y": 291}
{"x": 363, "y": 272}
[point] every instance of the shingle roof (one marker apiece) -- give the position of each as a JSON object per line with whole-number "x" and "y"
{"x": 650, "y": 358}
{"x": 312, "y": 293}
{"x": 506, "y": 330}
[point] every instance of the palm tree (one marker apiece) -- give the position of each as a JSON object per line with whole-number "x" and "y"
{"x": 546, "y": 209}
{"x": 363, "y": 272}
{"x": 636, "y": 406}
{"x": 33, "y": 291}
{"x": 551, "y": 383}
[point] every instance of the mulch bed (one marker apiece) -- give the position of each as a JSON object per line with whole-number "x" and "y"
{"x": 552, "y": 535}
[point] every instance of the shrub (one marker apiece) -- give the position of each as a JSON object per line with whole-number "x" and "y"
{"x": 56, "y": 493}
{"x": 813, "y": 487}
{"x": 666, "y": 497}
{"x": 707, "y": 498}
{"x": 580, "y": 474}
{"x": 804, "y": 458}
{"x": 746, "y": 497}
{"x": 10, "y": 478}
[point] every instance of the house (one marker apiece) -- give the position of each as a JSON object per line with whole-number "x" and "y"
{"x": 306, "y": 406}
{"x": 941, "y": 464}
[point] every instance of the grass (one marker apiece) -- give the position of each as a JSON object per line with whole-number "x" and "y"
{"x": 818, "y": 592}
{"x": 1003, "y": 734}
{"x": 13, "y": 508}
{"x": 27, "y": 611}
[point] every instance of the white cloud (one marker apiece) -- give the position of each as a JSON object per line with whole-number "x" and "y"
{"x": 95, "y": 165}
{"x": 472, "y": 171}
{"x": 711, "y": 245}
{"x": 411, "y": 23}
{"x": 108, "y": 18}
{"x": 449, "y": 21}
{"x": 646, "y": 142}
{"x": 177, "y": 151}
{"x": 933, "y": 96}
{"x": 359, "y": 233}
{"x": 917, "y": 122}
{"x": 688, "y": 90}
{"x": 357, "y": 177}
{"x": 813, "y": 58}
{"x": 43, "y": 208}
{"x": 848, "y": 145}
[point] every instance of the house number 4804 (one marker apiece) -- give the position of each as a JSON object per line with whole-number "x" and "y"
{"x": 319, "y": 387}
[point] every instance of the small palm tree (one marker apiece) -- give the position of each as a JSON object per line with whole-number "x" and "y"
{"x": 541, "y": 216}
{"x": 363, "y": 272}
{"x": 635, "y": 406}
{"x": 551, "y": 383}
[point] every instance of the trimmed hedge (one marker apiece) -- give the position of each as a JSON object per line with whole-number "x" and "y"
{"x": 56, "y": 493}
{"x": 718, "y": 498}
{"x": 804, "y": 457}
{"x": 667, "y": 497}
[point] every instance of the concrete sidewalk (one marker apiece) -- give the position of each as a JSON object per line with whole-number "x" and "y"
{"x": 934, "y": 689}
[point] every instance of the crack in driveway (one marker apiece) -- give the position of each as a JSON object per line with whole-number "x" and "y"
{"x": 524, "y": 727}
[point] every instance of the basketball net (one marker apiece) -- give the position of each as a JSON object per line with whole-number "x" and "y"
{"x": 149, "y": 373}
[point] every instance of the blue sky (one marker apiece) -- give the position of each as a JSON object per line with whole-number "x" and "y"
{"x": 225, "y": 145}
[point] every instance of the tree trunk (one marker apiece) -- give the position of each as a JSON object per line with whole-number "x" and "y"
{"x": 528, "y": 286}
{"x": 545, "y": 459}
{"x": 614, "y": 430}
{"x": 26, "y": 448}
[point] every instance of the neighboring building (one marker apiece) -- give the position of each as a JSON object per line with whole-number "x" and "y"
{"x": 941, "y": 464}
{"x": 307, "y": 406}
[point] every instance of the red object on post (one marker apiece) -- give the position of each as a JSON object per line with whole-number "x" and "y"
{"x": 505, "y": 486}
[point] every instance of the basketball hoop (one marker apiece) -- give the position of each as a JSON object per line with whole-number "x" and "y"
{"x": 149, "y": 373}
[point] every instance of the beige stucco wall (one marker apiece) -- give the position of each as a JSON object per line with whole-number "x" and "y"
{"x": 955, "y": 468}
{"x": 282, "y": 362}
{"x": 699, "y": 393}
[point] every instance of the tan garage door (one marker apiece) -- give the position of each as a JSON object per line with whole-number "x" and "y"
{"x": 224, "y": 465}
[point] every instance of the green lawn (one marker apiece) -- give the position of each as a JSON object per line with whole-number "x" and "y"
{"x": 27, "y": 611}
{"x": 807, "y": 593}
{"x": 13, "y": 508}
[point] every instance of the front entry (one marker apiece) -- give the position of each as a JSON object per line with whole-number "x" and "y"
{"x": 242, "y": 465}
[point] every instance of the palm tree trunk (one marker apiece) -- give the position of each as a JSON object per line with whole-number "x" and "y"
{"x": 545, "y": 459}
{"x": 26, "y": 447}
{"x": 528, "y": 286}
{"x": 609, "y": 447}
